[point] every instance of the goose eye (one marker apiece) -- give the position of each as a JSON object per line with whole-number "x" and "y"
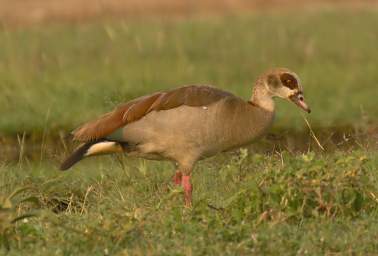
{"x": 300, "y": 98}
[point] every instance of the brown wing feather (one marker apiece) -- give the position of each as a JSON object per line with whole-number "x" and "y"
{"x": 136, "y": 109}
{"x": 139, "y": 108}
{"x": 105, "y": 124}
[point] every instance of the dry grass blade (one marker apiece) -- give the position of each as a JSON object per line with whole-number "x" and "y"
{"x": 21, "y": 143}
{"x": 313, "y": 134}
{"x": 85, "y": 198}
{"x": 24, "y": 216}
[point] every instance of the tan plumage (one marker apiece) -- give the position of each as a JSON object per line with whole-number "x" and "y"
{"x": 187, "y": 124}
{"x": 136, "y": 109}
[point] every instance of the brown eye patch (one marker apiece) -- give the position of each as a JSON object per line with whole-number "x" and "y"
{"x": 289, "y": 81}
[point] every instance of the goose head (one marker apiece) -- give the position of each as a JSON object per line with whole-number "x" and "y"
{"x": 285, "y": 84}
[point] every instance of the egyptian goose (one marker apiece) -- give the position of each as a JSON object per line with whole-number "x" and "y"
{"x": 187, "y": 124}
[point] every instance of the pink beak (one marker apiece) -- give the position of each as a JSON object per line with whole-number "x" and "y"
{"x": 299, "y": 101}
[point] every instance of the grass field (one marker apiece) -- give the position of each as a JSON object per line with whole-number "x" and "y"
{"x": 56, "y": 77}
{"x": 246, "y": 203}
{"x": 277, "y": 201}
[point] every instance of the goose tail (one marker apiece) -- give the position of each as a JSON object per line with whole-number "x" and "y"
{"x": 99, "y": 147}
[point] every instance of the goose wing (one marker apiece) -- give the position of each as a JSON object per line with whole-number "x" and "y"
{"x": 192, "y": 95}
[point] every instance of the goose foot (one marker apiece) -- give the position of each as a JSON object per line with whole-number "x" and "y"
{"x": 185, "y": 183}
{"x": 177, "y": 178}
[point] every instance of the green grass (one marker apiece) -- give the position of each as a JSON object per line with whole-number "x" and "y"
{"x": 243, "y": 203}
{"x": 55, "y": 77}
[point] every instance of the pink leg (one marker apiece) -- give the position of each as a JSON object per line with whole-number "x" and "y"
{"x": 177, "y": 178}
{"x": 187, "y": 190}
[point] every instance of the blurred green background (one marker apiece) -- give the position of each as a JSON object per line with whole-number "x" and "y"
{"x": 65, "y": 62}
{"x": 58, "y": 76}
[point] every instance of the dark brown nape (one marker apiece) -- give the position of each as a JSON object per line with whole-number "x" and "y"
{"x": 289, "y": 81}
{"x": 273, "y": 81}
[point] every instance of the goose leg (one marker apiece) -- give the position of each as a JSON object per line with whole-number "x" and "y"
{"x": 177, "y": 178}
{"x": 187, "y": 185}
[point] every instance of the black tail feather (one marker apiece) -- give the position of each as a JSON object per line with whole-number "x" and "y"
{"x": 76, "y": 156}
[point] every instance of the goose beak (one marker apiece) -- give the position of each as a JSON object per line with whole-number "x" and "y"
{"x": 299, "y": 101}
